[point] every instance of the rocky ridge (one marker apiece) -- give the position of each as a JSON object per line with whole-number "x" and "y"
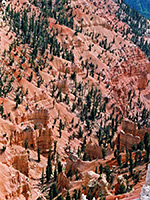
{"x": 44, "y": 102}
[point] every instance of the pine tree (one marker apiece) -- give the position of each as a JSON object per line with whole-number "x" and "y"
{"x": 136, "y": 155}
{"x": 96, "y": 170}
{"x": 146, "y": 140}
{"x": 42, "y": 178}
{"x": 70, "y": 173}
{"x": 49, "y": 157}
{"x": 55, "y": 174}
{"x": 60, "y": 133}
{"x": 26, "y": 144}
{"x": 84, "y": 156}
{"x": 73, "y": 107}
{"x": 54, "y": 189}
{"x": 80, "y": 133}
{"x": 68, "y": 196}
{"x": 147, "y": 153}
{"x": 55, "y": 146}
{"x": 75, "y": 194}
{"x": 104, "y": 153}
{"x": 79, "y": 194}
{"x": 119, "y": 160}
{"x": 60, "y": 197}
{"x": 140, "y": 156}
{"x": 51, "y": 194}
{"x": 49, "y": 166}
{"x": 107, "y": 171}
{"x": 47, "y": 173}
{"x": 131, "y": 164}
{"x": 50, "y": 3}
{"x": 101, "y": 168}
{"x": 59, "y": 167}
{"x": 38, "y": 151}
{"x": 60, "y": 128}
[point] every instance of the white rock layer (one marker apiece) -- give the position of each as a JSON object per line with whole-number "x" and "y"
{"x": 145, "y": 192}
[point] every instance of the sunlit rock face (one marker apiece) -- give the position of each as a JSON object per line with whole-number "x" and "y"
{"x": 145, "y": 192}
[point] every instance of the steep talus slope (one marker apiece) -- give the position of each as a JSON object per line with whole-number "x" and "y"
{"x": 70, "y": 76}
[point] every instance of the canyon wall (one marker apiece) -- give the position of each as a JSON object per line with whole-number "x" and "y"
{"x": 40, "y": 135}
{"x": 95, "y": 151}
{"x": 131, "y": 127}
{"x": 127, "y": 140}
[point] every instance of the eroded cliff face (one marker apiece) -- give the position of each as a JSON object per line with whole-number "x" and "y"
{"x": 54, "y": 92}
{"x": 13, "y": 184}
{"x": 40, "y": 135}
{"x": 21, "y": 163}
{"x": 95, "y": 151}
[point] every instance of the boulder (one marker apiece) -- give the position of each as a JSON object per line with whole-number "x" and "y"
{"x": 83, "y": 197}
{"x": 121, "y": 181}
{"x": 63, "y": 85}
{"x": 142, "y": 82}
{"x": 97, "y": 184}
